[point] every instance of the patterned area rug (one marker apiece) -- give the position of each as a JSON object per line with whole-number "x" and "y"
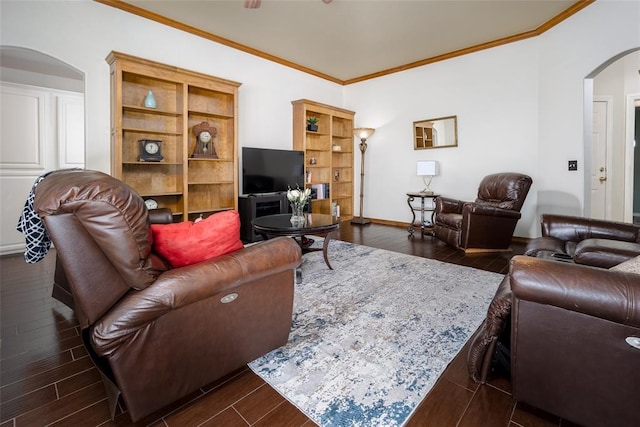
{"x": 371, "y": 337}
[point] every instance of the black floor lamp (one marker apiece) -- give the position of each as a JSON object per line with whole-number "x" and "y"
{"x": 363, "y": 134}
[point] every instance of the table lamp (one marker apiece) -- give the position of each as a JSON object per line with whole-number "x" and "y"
{"x": 427, "y": 169}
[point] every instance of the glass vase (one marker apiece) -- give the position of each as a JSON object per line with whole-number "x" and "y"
{"x": 150, "y": 100}
{"x": 297, "y": 215}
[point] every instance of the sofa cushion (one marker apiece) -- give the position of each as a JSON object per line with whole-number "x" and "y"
{"x": 630, "y": 266}
{"x": 605, "y": 253}
{"x": 186, "y": 243}
{"x": 545, "y": 243}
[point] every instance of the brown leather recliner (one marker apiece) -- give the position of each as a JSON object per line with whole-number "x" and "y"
{"x": 569, "y": 353}
{"x": 594, "y": 242}
{"x": 61, "y": 287}
{"x": 157, "y": 334}
{"x": 488, "y": 223}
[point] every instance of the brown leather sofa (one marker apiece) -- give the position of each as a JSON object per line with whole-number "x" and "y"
{"x": 158, "y": 334}
{"x": 488, "y": 223}
{"x": 569, "y": 354}
{"x": 586, "y": 241}
{"x": 567, "y": 325}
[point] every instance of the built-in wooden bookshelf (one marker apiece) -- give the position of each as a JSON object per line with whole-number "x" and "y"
{"x": 190, "y": 187}
{"x": 328, "y": 153}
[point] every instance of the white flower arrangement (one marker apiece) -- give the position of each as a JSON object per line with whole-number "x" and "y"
{"x": 298, "y": 197}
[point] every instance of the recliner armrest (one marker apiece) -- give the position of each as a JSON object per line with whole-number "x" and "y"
{"x": 448, "y": 205}
{"x": 160, "y": 216}
{"x": 180, "y": 287}
{"x": 575, "y": 229}
{"x": 606, "y": 294}
{"x": 471, "y": 208}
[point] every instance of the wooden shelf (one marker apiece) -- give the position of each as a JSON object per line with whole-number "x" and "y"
{"x": 130, "y": 108}
{"x": 204, "y": 113}
{"x": 190, "y": 187}
{"x": 335, "y": 129}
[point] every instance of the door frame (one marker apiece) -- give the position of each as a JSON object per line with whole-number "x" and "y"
{"x": 608, "y": 164}
{"x": 587, "y": 100}
{"x": 58, "y": 87}
{"x": 630, "y": 119}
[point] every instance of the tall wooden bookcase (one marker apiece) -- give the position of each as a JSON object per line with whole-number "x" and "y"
{"x": 190, "y": 187}
{"x": 328, "y": 154}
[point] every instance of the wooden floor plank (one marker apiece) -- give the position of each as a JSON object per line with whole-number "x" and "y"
{"x": 488, "y": 407}
{"x": 228, "y": 418}
{"x": 216, "y": 401}
{"x": 284, "y": 415}
{"x": 444, "y": 406}
{"x": 253, "y": 406}
{"x": 61, "y": 408}
{"x": 46, "y": 374}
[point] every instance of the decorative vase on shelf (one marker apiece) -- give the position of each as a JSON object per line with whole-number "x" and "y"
{"x": 150, "y": 100}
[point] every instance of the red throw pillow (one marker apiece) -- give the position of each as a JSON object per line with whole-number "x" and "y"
{"x": 189, "y": 242}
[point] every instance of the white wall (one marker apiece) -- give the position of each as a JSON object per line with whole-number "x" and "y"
{"x": 82, "y": 33}
{"x": 519, "y": 106}
{"x": 493, "y": 93}
{"x": 569, "y": 53}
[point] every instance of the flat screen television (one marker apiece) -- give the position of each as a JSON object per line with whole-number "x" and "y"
{"x": 266, "y": 170}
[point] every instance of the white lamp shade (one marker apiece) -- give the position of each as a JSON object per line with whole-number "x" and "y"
{"x": 427, "y": 168}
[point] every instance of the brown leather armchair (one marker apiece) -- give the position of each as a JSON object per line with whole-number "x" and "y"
{"x": 569, "y": 353}
{"x": 157, "y": 334}
{"x": 488, "y": 223}
{"x": 594, "y": 242}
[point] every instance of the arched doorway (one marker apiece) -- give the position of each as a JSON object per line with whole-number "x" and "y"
{"x": 608, "y": 138}
{"x": 42, "y": 128}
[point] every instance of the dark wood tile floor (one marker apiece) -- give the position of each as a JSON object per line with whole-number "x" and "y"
{"x": 47, "y": 379}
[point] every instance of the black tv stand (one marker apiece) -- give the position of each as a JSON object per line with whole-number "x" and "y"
{"x": 252, "y": 206}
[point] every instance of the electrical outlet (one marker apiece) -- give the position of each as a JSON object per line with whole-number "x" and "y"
{"x": 573, "y": 165}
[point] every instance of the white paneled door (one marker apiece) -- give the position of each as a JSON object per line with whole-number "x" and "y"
{"x": 40, "y": 130}
{"x": 599, "y": 146}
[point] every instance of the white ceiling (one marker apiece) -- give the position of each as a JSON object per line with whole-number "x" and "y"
{"x": 351, "y": 40}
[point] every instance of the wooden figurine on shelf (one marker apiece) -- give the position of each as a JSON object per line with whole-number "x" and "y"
{"x": 204, "y": 148}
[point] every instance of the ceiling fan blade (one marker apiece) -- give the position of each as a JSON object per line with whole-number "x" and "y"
{"x": 253, "y": 4}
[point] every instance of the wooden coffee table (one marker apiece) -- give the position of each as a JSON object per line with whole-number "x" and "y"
{"x": 321, "y": 225}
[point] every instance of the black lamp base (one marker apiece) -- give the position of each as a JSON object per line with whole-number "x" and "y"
{"x": 360, "y": 220}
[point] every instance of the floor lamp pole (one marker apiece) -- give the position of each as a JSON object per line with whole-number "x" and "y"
{"x": 360, "y": 219}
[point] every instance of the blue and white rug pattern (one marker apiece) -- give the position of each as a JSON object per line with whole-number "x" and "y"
{"x": 371, "y": 337}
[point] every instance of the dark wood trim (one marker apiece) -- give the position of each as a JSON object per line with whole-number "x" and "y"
{"x": 119, "y": 4}
{"x": 389, "y": 222}
{"x": 576, "y": 7}
{"x": 405, "y": 225}
{"x": 573, "y": 9}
